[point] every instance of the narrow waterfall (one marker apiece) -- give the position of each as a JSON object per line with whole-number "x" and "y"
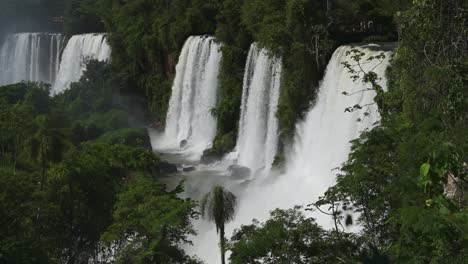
{"x": 78, "y": 49}
{"x": 30, "y": 57}
{"x": 258, "y": 126}
{"x": 190, "y": 125}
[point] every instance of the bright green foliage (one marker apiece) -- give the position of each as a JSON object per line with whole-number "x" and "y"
{"x": 150, "y": 224}
{"x": 219, "y": 206}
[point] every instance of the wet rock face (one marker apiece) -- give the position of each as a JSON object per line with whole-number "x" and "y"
{"x": 166, "y": 168}
{"x": 239, "y": 172}
{"x": 183, "y": 143}
{"x": 188, "y": 169}
{"x": 209, "y": 157}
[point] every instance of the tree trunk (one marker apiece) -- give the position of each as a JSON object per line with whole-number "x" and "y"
{"x": 43, "y": 174}
{"x": 221, "y": 244}
{"x": 317, "y": 51}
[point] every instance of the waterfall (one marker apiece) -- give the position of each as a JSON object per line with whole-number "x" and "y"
{"x": 321, "y": 143}
{"x": 78, "y": 49}
{"x": 194, "y": 94}
{"x": 322, "y": 140}
{"x": 258, "y": 126}
{"x": 30, "y": 57}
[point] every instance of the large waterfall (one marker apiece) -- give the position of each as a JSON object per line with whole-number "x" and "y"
{"x": 321, "y": 144}
{"x": 322, "y": 140}
{"x": 258, "y": 126}
{"x": 30, "y": 57}
{"x": 78, "y": 49}
{"x": 194, "y": 93}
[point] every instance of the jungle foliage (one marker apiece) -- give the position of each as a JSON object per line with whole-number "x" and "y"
{"x": 147, "y": 36}
{"x": 406, "y": 179}
{"x": 77, "y": 179}
{"x": 407, "y": 176}
{"x": 72, "y": 168}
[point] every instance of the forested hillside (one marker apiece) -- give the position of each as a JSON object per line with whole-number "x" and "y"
{"x": 79, "y": 182}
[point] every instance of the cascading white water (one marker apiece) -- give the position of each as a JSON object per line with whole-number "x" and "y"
{"x": 194, "y": 95}
{"x": 258, "y": 126}
{"x": 30, "y": 57}
{"x": 322, "y": 140}
{"x": 322, "y": 143}
{"x": 78, "y": 49}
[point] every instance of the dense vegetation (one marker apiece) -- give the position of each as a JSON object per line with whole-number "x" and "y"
{"x": 71, "y": 169}
{"x": 407, "y": 177}
{"x": 147, "y": 35}
{"x": 78, "y": 181}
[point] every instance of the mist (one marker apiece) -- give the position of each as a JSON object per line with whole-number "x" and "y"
{"x": 30, "y": 16}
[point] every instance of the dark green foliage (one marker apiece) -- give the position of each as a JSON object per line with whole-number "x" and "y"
{"x": 219, "y": 206}
{"x": 290, "y": 237}
{"x": 18, "y": 205}
{"x": 58, "y": 193}
{"x": 298, "y": 32}
{"x": 82, "y": 193}
{"x": 100, "y": 103}
{"x": 236, "y": 42}
{"x": 127, "y": 136}
{"x": 81, "y": 17}
{"x": 407, "y": 177}
{"x": 146, "y": 37}
{"x": 74, "y": 180}
{"x": 149, "y": 224}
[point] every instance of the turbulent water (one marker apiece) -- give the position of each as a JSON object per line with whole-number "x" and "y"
{"x": 78, "y": 49}
{"x": 30, "y": 57}
{"x": 258, "y": 126}
{"x": 320, "y": 145}
{"x": 194, "y": 94}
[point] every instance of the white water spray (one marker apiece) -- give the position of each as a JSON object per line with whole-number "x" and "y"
{"x": 258, "y": 126}
{"x": 78, "y": 49}
{"x": 30, "y": 57}
{"x": 322, "y": 143}
{"x": 194, "y": 95}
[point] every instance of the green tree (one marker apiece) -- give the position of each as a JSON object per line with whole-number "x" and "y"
{"x": 288, "y": 236}
{"x": 47, "y": 145}
{"x": 149, "y": 224}
{"x": 219, "y": 206}
{"x": 19, "y": 242}
{"x": 407, "y": 176}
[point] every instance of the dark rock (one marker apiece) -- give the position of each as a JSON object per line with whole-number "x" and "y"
{"x": 239, "y": 172}
{"x": 188, "y": 169}
{"x": 183, "y": 143}
{"x": 209, "y": 157}
{"x": 166, "y": 167}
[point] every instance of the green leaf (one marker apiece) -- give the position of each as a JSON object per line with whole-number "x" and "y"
{"x": 424, "y": 170}
{"x": 428, "y": 202}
